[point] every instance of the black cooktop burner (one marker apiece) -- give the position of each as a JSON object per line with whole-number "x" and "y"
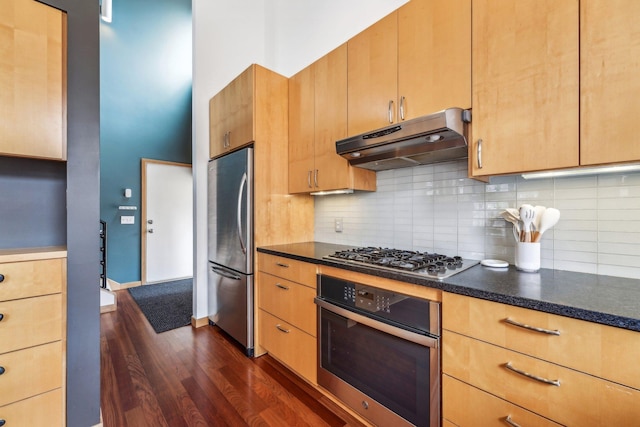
{"x": 422, "y": 263}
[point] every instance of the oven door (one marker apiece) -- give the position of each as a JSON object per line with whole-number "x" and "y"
{"x": 389, "y": 375}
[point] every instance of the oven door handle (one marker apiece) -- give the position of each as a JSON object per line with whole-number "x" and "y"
{"x": 423, "y": 340}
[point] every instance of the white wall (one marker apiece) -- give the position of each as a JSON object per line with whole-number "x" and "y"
{"x": 282, "y": 35}
{"x": 436, "y": 208}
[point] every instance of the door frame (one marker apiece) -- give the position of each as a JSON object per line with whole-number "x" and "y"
{"x": 143, "y": 210}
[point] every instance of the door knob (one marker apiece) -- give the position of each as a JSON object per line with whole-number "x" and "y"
{"x": 150, "y": 230}
{"x": 149, "y": 221}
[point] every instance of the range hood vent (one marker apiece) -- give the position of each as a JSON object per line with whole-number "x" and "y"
{"x": 438, "y": 137}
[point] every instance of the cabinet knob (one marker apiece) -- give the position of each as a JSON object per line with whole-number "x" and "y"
{"x": 2, "y": 370}
{"x": 1, "y": 278}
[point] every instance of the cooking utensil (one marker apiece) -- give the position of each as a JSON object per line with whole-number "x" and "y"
{"x": 536, "y": 221}
{"x": 527, "y": 215}
{"x": 513, "y": 216}
{"x": 549, "y": 218}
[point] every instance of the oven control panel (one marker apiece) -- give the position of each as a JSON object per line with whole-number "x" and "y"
{"x": 381, "y": 304}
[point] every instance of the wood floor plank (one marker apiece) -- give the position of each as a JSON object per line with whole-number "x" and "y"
{"x": 198, "y": 377}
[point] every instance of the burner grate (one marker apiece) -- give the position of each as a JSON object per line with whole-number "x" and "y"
{"x": 410, "y": 261}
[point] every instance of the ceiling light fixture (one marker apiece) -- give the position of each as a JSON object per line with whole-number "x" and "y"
{"x": 582, "y": 171}
{"x": 106, "y": 11}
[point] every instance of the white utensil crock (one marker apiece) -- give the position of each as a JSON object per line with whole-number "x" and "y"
{"x": 528, "y": 257}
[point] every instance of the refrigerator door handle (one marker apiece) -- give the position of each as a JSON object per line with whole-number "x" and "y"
{"x": 243, "y": 182}
{"x": 225, "y": 273}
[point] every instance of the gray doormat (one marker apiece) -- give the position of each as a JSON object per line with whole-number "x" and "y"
{"x": 167, "y": 305}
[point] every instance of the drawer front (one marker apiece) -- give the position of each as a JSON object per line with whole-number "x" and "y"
{"x": 579, "y": 399}
{"x": 289, "y": 301}
{"x": 30, "y": 321}
{"x": 291, "y": 346}
{"x": 31, "y": 278}
{"x": 466, "y": 406}
{"x": 44, "y": 410}
{"x": 603, "y": 351}
{"x": 296, "y": 271}
{"x": 29, "y": 372}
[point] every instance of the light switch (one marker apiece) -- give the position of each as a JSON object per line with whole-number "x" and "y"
{"x": 126, "y": 219}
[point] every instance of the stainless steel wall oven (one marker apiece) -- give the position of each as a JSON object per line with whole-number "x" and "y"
{"x": 379, "y": 352}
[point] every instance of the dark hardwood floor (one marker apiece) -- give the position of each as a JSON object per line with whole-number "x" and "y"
{"x": 197, "y": 377}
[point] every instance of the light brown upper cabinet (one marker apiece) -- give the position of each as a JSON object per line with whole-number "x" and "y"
{"x": 414, "y": 61}
{"x": 33, "y": 105}
{"x": 525, "y": 86}
{"x": 610, "y": 82}
{"x": 231, "y": 113}
{"x": 317, "y": 118}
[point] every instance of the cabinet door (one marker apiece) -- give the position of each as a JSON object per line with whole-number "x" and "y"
{"x": 525, "y": 86}
{"x": 331, "y": 119}
{"x": 373, "y": 76}
{"x": 231, "y": 114}
{"x": 217, "y": 126}
{"x": 610, "y": 87}
{"x": 434, "y": 56}
{"x": 301, "y": 133}
{"x": 33, "y": 80}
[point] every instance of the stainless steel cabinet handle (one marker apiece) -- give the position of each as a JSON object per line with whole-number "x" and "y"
{"x": 390, "y": 111}
{"x": 224, "y": 140}
{"x": 509, "y": 421}
{"x": 315, "y": 178}
{"x": 279, "y": 264}
{"x": 309, "y": 179}
{"x": 510, "y": 367}
{"x": 532, "y": 328}
{"x": 280, "y": 328}
{"x": 281, "y": 286}
{"x": 402, "y": 108}
{"x": 479, "y": 148}
{"x": 228, "y": 139}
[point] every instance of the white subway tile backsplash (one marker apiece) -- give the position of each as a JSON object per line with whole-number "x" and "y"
{"x": 436, "y": 208}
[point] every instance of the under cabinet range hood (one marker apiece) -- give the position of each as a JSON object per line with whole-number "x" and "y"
{"x": 438, "y": 137}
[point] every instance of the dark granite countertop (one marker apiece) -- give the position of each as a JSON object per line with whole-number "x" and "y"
{"x": 608, "y": 300}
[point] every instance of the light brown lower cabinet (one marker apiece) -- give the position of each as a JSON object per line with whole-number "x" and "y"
{"x": 287, "y": 320}
{"x": 32, "y": 337}
{"x": 41, "y": 410}
{"x": 564, "y": 395}
{"x": 465, "y": 405}
{"x": 290, "y": 345}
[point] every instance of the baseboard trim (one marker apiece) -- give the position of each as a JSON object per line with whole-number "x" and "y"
{"x": 198, "y": 323}
{"x": 115, "y": 286}
{"x": 108, "y": 308}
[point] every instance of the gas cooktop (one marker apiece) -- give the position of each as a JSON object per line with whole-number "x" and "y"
{"x": 422, "y": 264}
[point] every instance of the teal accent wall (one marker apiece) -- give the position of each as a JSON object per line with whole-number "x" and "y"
{"x": 145, "y": 111}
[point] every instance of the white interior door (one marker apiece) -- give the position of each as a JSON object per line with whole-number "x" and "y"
{"x": 167, "y": 221}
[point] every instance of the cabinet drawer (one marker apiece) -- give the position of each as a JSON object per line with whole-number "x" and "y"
{"x": 578, "y": 400}
{"x": 289, "y": 301}
{"x": 30, "y": 321}
{"x": 31, "y": 278}
{"x": 296, "y": 271}
{"x": 31, "y": 371}
{"x": 289, "y": 345}
{"x": 466, "y": 406}
{"x": 600, "y": 350}
{"x": 44, "y": 410}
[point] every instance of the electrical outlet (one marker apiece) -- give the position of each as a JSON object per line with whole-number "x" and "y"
{"x": 126, "y": 219}
{"x": 338, "y": 225}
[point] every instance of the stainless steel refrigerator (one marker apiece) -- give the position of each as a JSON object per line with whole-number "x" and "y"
{"x": 230, "y": 214}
